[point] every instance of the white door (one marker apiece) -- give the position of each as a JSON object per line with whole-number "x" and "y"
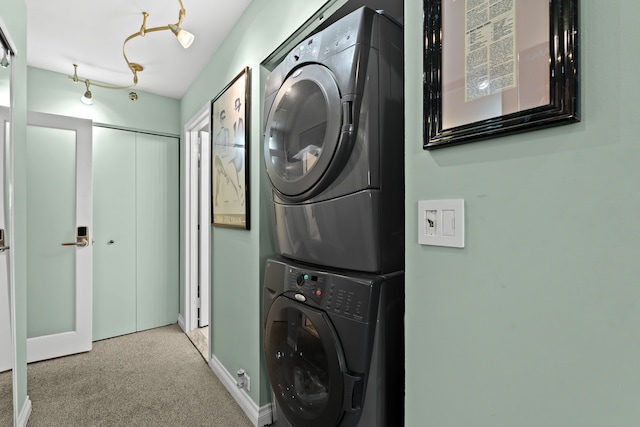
{"x": 6, "y": 349}
{"x": 204, "y": 226}
{"x": 59, "y": 238}
{"x": 198, "y": 220}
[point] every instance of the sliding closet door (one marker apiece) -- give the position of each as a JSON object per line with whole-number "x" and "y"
{"x": 157, "y": 234}
{"x": 136, "y": 205}
{"x": 114, "y": 248}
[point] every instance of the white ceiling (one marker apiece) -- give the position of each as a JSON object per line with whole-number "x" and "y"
{"x": 91, "y": 33}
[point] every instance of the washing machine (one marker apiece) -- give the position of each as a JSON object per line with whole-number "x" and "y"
{"x": 334, "y": 146}
{"x": 334, "y": 346}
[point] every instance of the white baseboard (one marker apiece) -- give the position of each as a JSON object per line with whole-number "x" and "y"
{"x": 182, "y": 323}
{"x": 25, "y": 413}
{"x": 259, "y": 416}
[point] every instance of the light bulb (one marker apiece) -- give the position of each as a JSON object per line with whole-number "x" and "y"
{"x": 87, "y": 99}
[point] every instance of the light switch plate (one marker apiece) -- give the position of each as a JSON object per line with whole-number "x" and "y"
{"x": 441, "y": 222}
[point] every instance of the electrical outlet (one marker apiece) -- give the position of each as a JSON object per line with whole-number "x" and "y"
{"x": 243, "y": 380}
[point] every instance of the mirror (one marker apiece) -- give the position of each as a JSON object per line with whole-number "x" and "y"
{"x": 7, "y": 319}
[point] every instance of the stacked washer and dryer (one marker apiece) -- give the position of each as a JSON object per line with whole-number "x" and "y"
{"x": 334, "y": 298}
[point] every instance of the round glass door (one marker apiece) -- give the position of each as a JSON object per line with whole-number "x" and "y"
{"x": 303, "y": 131}
{"x": 304, "y": 363}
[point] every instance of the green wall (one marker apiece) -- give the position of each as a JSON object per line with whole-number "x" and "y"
{"x": 237, "y": 255}
{"x": 55, "y": 93}
{"x": 536, "y": 321}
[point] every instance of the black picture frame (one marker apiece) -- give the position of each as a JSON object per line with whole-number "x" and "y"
{"x": 554, "y": 63}
{"x": 230, "y": 205}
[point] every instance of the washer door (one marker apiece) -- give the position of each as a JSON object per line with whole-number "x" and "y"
{"x": 305, "y": 364}
{"x": 308, "y": 133}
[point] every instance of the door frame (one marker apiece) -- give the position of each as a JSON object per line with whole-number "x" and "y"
{"x": 79, "y": 340}
{"x": 192, "y": 253}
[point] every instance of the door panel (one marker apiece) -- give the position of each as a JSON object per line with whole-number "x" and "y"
{"x": 59, "y": 191}
{"x": 6, "y": 347}
{"x": 157, "y": 233}
{"x": 114, "y": 278}
{"x": 51, "y": 218}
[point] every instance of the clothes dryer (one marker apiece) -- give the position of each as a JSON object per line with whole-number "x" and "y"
{"x": 333, "y": 146}
{"x": 334, "y": 346}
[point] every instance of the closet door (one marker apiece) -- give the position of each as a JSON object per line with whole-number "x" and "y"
{"x": 136, "y": 207}
{"x": 157, "y": 230}
{"x": 114, "y": 248}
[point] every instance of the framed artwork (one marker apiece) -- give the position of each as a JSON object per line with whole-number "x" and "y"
{"x": 495, "y": 67}
{"x": 230, "y": 154}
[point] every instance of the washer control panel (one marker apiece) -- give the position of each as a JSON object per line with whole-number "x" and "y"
{"x": 345, "y": 296}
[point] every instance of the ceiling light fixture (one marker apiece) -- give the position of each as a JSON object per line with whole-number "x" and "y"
{"x": 87, "y": 98}
{"x": 184, "y": 37}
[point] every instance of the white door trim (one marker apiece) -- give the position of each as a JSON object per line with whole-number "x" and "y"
{"x": 7, "y": 330}
{"x": 192, "y": 194}
{"x": 204, "y": 190}
{"x": 79, "y": 340}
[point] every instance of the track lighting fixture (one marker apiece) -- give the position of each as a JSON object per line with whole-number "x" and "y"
{"x": 184, "y": 37}
{"x": 87, "y": 98}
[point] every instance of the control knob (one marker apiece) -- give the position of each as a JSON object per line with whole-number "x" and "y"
{"x": 301, "y": 279}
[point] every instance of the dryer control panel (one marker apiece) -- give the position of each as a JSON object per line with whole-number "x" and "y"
{"x": 334, "y": 293}
{"x": 339, "y": 36}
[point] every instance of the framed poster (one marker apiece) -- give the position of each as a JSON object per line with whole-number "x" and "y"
{"x": 230, "y": 154}
{"x": 494, "y": 67}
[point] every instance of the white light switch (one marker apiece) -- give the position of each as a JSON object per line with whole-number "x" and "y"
{"x": 441, "y": 222}
{"x": 448, "y": 222}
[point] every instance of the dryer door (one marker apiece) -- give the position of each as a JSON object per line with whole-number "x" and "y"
{"x": 308, "y": 133}
{"x": 306, "y": 365}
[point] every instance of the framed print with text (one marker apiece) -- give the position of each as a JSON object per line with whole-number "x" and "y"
{"x": 495, "y": 67}
{"x": 230, "y": 155}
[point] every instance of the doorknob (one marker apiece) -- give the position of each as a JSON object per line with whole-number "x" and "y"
{"x": 82, "y": 237}
{"x": 2, "y": 246}
{"x": 80, "y": 242}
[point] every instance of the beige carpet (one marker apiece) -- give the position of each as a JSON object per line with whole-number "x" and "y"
{"x": 150, "y": 378}
{"x": 6, "y": 400}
